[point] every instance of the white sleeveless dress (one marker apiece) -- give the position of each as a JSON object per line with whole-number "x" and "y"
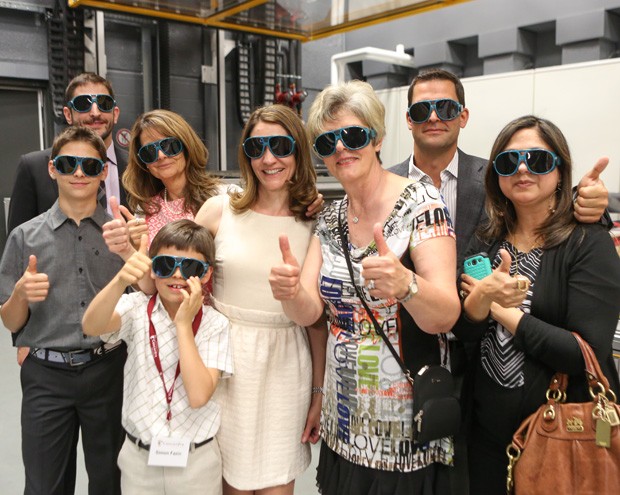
{"x": 265, "y": 403}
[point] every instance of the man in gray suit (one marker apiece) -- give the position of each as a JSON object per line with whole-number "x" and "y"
{"x": 436, "y": 114}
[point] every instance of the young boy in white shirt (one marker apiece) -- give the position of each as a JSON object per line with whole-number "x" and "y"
{"x": 170, "y": 422}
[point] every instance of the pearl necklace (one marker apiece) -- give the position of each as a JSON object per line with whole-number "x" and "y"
{"x": 167, "y": 206}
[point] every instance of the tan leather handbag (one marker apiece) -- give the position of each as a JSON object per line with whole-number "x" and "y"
{"x": 569, "y": 448}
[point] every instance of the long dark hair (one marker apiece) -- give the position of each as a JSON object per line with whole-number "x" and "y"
{"x": 502, "y": 216}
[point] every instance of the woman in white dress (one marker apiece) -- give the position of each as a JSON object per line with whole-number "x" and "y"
{"x": 268, "y": 411}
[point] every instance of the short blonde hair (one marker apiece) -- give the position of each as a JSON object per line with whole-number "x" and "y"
{"x": 356, "y": 97}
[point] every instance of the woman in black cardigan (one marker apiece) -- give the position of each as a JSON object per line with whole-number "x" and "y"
{"x": 551, "y": 276}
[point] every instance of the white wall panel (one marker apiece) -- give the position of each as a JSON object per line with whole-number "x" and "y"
{"x": 582, "y": 99}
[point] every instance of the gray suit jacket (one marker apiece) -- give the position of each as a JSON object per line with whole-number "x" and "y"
{"x": 469, "y": 197}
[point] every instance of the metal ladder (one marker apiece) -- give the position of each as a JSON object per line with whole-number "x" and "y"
{"x": 65, "y": 31}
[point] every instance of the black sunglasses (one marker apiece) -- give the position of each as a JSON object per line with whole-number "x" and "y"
{"x": 67, "y": 164}
{"x": 164, "y": 266}
{"x": 169, "y": 146}
{"x": 445, "y": 108}
{"x": 537, "y": 161}
{"x": 353, "y": 137}
{"x": 83, "y": 103}
{"x": 280, "y": 146}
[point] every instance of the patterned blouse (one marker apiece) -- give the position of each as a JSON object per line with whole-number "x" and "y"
{"x": 367, "y": 409}
{"x": 501, "y": 360}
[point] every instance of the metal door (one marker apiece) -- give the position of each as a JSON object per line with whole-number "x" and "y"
{"x": 21, "y": 131}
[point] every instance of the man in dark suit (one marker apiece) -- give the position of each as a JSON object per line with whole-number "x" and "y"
{"x": 89, "y": 102}
{"x": 436, "y": 114}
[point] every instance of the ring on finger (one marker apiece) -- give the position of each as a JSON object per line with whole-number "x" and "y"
{"x": 371, "y": 284}
{"x": 522, "y": 284}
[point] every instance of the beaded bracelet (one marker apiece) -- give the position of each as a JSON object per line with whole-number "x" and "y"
{"x": 317, "y": 390}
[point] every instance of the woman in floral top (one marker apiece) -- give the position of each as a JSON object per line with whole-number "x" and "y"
{"x": 166, "y": 176}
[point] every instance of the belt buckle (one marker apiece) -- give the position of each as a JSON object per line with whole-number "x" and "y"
{"x": 76, "y": 363}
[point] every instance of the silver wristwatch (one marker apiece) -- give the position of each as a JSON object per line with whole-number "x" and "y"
{"x": 412, "y": 290}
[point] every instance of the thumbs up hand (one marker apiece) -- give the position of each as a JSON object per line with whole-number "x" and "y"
{"x": 116, "y": 233}
{"x": 32, "y": 286}
{"x": 136, "y": 226}
{"x": 592, "y": 195}
{"x": 499, "y": 287}
{"x": 384, "y": 275}
{"x": 285, "y": 277}
{"x": 137, "y": 266}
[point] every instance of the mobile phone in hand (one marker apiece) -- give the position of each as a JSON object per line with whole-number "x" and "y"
{"x": 477, "y": 266}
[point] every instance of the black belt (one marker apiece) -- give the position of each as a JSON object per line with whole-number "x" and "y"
{"x": 75, "y": 358}
{"x": 136, "y": 441}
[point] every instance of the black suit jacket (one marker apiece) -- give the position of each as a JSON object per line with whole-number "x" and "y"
{"x": 34, "y": 191}
{"x": 470, "y": 196}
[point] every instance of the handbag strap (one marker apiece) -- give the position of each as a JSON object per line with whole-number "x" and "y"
{"x": 597, "y": 381}
{"x": 378, "y": 329}
{"x": 593, "y": 369}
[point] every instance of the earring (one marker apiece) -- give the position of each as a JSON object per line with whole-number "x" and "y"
{"x": 501, "y": 213}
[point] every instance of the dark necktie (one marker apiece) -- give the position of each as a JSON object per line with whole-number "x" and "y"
{"x": 101, "y": 197}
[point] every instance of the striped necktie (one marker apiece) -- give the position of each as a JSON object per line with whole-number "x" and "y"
{"x": 101, "y": 197}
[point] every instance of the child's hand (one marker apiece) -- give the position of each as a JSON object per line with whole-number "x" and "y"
{"x": 192, "y": 302}
{"x": 138, "y": 265}
{"x": 32, "y": 286}
{"x": 116, "y": 232}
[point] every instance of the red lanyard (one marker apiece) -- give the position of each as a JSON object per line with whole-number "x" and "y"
{"x": 155, "y": 351}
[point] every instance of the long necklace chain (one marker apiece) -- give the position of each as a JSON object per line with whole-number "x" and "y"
{"x": 517, "y": 251}
{"x": 354, "y": 218}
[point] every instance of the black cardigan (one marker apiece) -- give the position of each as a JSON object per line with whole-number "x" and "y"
{"x": 576, "y": 290}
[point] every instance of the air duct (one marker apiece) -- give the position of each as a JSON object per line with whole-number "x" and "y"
{"x": 340, "y": 60}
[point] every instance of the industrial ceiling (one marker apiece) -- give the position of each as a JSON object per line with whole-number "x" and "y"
{"x": 303, "y": 20}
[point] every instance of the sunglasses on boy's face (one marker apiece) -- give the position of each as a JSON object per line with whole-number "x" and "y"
{"x": 353, "y": 137}
{"x": 83, "y": 103}
{"x": 164, "y": 266}
{"x": 445, "y": 108}
{"x": 67, "y": 164}
{"x": 280, "y": 146}
{"x": 170, "y": 146}
{"x": 537, "y": 161}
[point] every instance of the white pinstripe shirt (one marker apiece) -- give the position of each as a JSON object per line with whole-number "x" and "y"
{"x": 448, "y": 176}
{"x": 144, "y": 399}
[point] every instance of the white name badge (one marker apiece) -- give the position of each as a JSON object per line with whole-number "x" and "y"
{"x": 169, "y": 451}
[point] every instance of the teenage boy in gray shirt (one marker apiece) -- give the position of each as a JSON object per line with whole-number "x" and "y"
{"x": 52, "y": 267}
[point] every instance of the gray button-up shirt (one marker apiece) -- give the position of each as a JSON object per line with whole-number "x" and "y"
{"x": 78, "y": 265}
